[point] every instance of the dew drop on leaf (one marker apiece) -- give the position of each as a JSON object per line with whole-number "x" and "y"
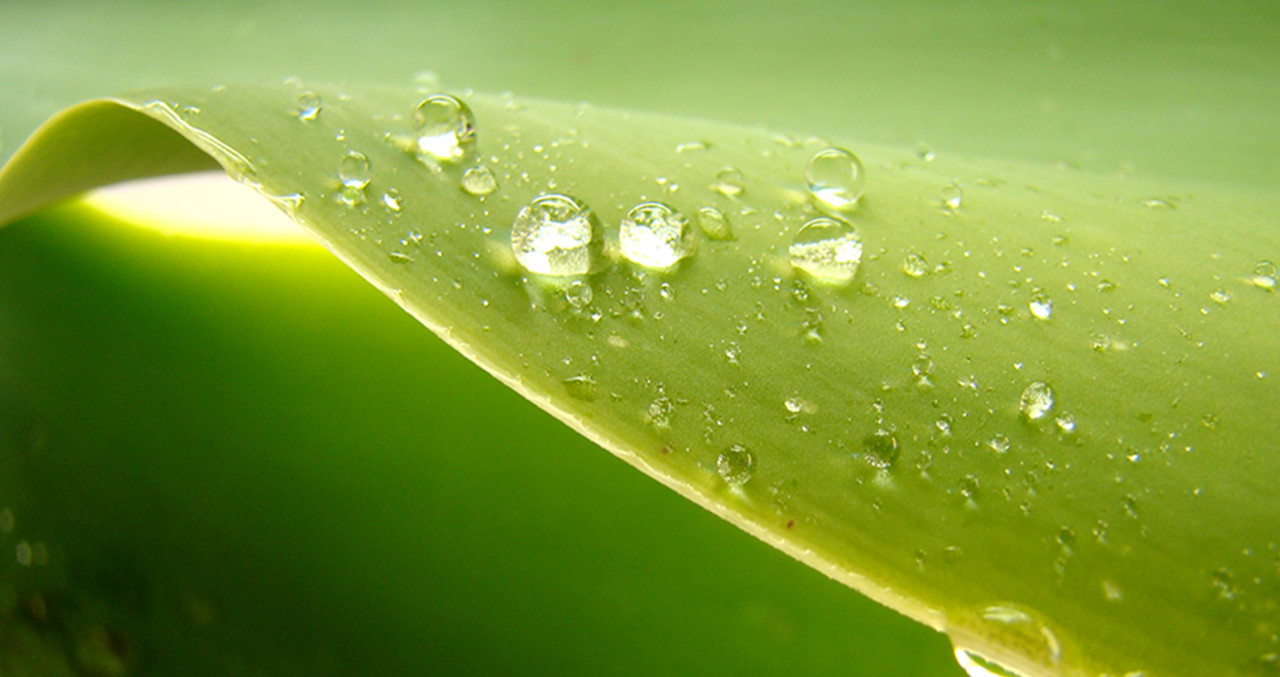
{"x": 556, "y": 235}
{"x": 735, "y": 465}
{"x": 714, "y": 224}
{"x": 728, "y": 182}
{"x": 654, "y": 235}
{"x": 479, "y": 181}
{"x": 445, "y": 128}
{"x": 828, "y": 250}
{"x": 835, "y": 178}
{"x": 1036, "y": 401}
{"x": 1264, "y": 276}
{"x": 880, "y": 448}
{"x": 354, "y": 170}
{"x": 309, "y": 105}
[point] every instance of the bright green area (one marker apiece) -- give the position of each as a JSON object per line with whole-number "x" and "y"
{"x": 260, "y": 465}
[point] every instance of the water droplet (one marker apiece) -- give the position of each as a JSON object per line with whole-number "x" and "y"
{"x": 828, "y": 250}
{"x": 952, "y": 196}
{"x": 556, "y": 235}
{"x": 835, "y": 178}
{"x": 391, "y": 199}
{"x": 655, "y": 236}
{"x": 1022, "y": 632}
{"x": 479, "y": 180}
{"x": 880, "y": 448}
{"x": 1066, "y": 423}
{"x": 1106, "y": 286}
{"x": 728, "y": 182}
{"x": 581, "y": 387}
{"x": 915, "y": 266}
{"x": 578, "y": 294}
{"x": 1224, "y": 583}
{"x": 659, "y": 412}
{"x": 399, "y": 257}
{"x": 714, "y": 224}
{"x": 1158, "y": 203}
{"x": 1264, "y": 276}
{"x": 1221, "y": 297}
{"x": 353, "y": 170}
{"x": 735, "y": 465}
{"x": 309, "y": 104}
{"x": 1000, "y": 443}
{"x": 1041, "y": 306}
{"x": 445, "y": 128}
{"x": 1036, "y": 401}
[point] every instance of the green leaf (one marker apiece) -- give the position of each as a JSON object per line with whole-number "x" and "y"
{"x": 898, "y": 430}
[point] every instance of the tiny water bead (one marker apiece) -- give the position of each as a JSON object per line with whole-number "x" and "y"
{"x": 309, "y": 105}
{"x": 952, "y": 196}
{"x": 915, "y": 266}
{"x": 735, "y": 465}
{"x": 655, "y": 236}
{"x": 479, "y": 181}
{"x": 578, "y": 294}
{"x": 828, "y": 250}
{"x": 714, "y": 224}
{"x": 445, "y": 127}
{"x": 556, "y": 235}
{"x": 1036, "y": 401}
{"x": 1265, "y": 276}
{"x": 835, "y": 178}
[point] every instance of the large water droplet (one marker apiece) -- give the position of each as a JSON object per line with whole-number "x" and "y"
{"x": 880, "y": 448}
{"x": 556, "y": 235}
{"x": 835, "y": 178}
{"x": 828, "y": 250}
{"x": 309, "y": 104}
{"x": 445, "y": 128}
{"x": 735, "y": 465}
{"x": 1022, "y": 632}
{"x": 1036, "y": 401}
{"x": 655, "y": 236}
{"x": 479, "y": 180}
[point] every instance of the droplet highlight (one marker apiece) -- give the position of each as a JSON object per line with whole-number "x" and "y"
{"x": 827, "y": 250}
{"x": 835, "y": 178}
{"x": 445, "y": 128}
{"x": 1036, "y": 401}
{"x": 479, "y": 181}
{"x": 556, "y": 235}
{"x": 655, "y": 235}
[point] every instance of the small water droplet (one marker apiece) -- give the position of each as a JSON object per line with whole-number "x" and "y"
{"x": 1000, "y": 443}
{"x": 1224, "y": 583}
{"x": 736, "y": 465}
{"x": 479, "y": 180}
{"x": 578, "y": 294}
{"x": 655, "y": 236}
{"x": 581, "y": 387}
{"x": 1036, "y": 401}
{"x": 399, "y": 257}
{"x": 1066, "y": 423}
{"x": 391, "y": 199}
{"x": 835, "y": 178}
{"x": 556, "y": 235}
{"x": 1221, "y": 297}
{"x": 666, "y": 291}
{"x": 309, "y": 105}
{"x": 659, "y": 412}
{"x": 880, "y": 448}
{"x": 714, "y": 224}
{"x": 728, "y": 182}
{"x": 828, "y": 250}
{"x": 445, "y": 128}
{"x": 1020, "y": 630}
{"x": 354, "y": 170}
{"x": 915, "y": 266}
{"x": 1106, "y": 286}
{"x": 1264, "y": 276}
{"x": 952, "y": 196}
{"x": 1041, "y": 305}
{"x": 1158, "y": 203}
